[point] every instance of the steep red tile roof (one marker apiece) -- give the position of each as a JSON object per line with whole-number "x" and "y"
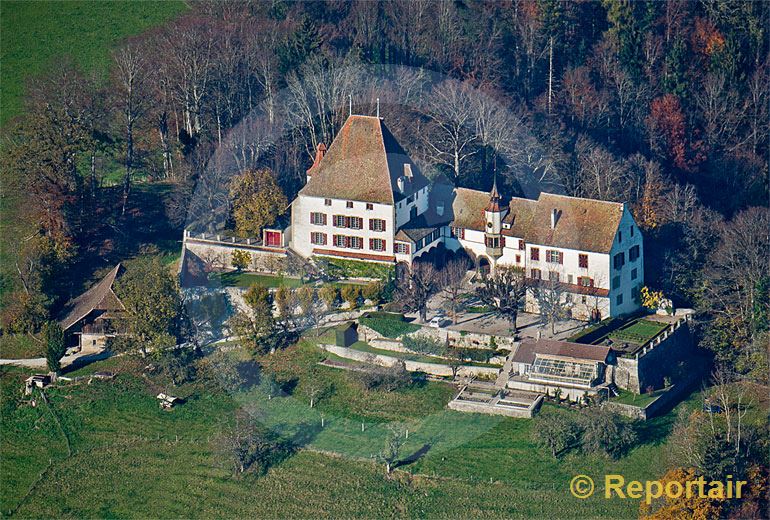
{"x": 468, "y": 208}
{"x": 581, "y": 224}
{"x": 363, "y": 163}
{"x": 528, "y": 348}
{"x": 98, "y": 297}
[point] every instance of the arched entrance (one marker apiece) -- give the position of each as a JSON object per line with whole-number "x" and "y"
{"x": 483, "y": 265}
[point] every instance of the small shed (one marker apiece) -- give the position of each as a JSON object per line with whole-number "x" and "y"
{"x": 346, "y": 334}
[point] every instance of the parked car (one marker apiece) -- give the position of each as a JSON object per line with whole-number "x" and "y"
{"x": 438, "y": 321}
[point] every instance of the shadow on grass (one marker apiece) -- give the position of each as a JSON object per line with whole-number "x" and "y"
{"x": 85, "y": 360}
{"x": 414, "y": 457}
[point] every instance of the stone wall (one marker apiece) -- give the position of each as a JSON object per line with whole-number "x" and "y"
{"x": 667, "y": 399}
{"x": 219, "y": 255}
{"x": 473, "y": 407}
{"x": 466, "y": 340}
{"x": 650, "y": 367}
{"x": 435, "y": 369}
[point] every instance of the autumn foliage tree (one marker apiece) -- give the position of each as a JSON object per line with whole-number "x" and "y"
{"x": 257, "y": 201}
{"x": 670, "y": 507}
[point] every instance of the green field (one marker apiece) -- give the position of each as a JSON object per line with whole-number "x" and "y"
{"x": 33, "y": 35}
{"x": 20, "y": 346}
{"x": 626, "y": 397}
{"x": 126, "y": 457}
{"x": 640, "y": 331}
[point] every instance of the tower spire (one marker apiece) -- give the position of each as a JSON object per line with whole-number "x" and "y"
{"x": 494, "y": 197}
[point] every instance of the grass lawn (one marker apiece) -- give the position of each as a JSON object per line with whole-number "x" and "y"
{"x": 129, "y": 458}
{"x": 236, "y": 279}
{"x": 640, "y": 400}
{"x": 640, "y": 331}
{"x": 389, "y": 325}
{"x": 20, "y": 346}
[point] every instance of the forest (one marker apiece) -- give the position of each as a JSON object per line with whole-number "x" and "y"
{"x": 662, "y": 105}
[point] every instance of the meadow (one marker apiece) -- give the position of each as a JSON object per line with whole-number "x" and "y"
{"x": 34, "y": 35}
{"x": 106, "y": 449}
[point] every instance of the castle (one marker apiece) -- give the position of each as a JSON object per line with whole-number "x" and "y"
{"x": 365, "y": 199}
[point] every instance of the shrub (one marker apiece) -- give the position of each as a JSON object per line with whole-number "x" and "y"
{"x": 389, "y": 325}
{"x": 607, "y": 432}
{"x": 373, "y": 291}
{"x": 387, "y": 379}
{"x": 329, "y": 294}
{"x": 350, "y": 294}
{"x": 241, "y": 259}
{"x": 478, "y": 355}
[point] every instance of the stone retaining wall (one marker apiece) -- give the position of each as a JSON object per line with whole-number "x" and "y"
{"x": 465, "y": 340}
{"x": 650, "y": 369}
{"x": 435, "y": 369}
{"x": 473, "y": 407}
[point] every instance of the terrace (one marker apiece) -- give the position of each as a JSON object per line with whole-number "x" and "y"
{"x": 631, "y": 337}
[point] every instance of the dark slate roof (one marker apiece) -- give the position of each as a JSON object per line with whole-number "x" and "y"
{"x": 549, "y": 347}
{"x": 98, "y": 297}
{"x": 432, "y": 218}
{"x": 363, "y": 163}
{"x": 582, "y": 224}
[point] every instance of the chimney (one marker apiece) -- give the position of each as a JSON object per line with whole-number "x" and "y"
{"x": 408, "y": 171}
{"x": 319, "y": 154}
{"x": 401, "y": 183}
{"x": 440, "y": 208}
{"x": 554, "y": 217}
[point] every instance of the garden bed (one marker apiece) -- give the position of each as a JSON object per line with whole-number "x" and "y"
{"x": 639, "y": 332}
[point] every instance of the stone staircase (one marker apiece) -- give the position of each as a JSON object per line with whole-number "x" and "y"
{"x": 505, "y": 372}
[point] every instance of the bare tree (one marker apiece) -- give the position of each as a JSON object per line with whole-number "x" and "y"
{"x": 551, "y": 300}
{"x": 392, "y": 450}
{"x": 601, "y": 175}
{"x": 416, "y": 285}
{"x": 131, "y": 77}
{"x": 452, "y": 136}
{"x": 504, "y": 290}
{"x": 735, "y": 268}
{"x": 453, "y": 277}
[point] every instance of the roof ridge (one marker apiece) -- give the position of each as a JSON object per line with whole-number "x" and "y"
{"x": 600, "y": 201}
{"x": 380, "y": 125}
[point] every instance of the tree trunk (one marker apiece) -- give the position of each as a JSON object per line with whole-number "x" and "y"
{"x": 550, "y": 73}
{"x": 129, "y": 162}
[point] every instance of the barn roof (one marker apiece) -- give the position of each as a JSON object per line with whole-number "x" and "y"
{"x": 363, "y": 163}
{"x": 98, "y": 297}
